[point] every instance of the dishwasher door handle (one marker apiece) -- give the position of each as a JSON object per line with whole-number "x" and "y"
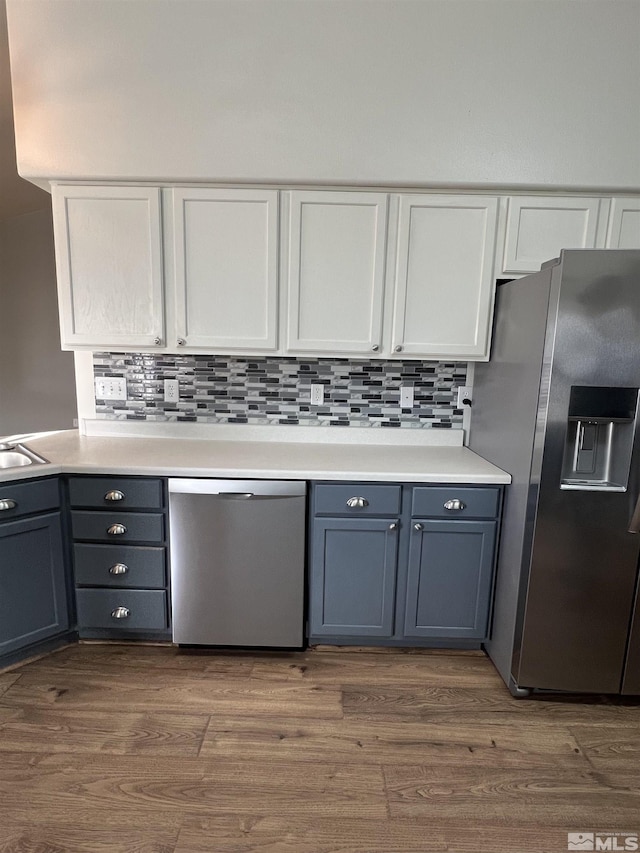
{"x": 239, "y": 496}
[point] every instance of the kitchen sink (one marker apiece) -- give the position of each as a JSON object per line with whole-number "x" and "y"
{"x": 18, "y": 455}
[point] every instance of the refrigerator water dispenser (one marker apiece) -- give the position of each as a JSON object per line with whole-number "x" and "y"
{"x": 599, "y": 439}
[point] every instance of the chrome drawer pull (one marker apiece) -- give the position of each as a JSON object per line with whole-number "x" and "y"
{"x": 357, "y": 503}
{"x": 7, "y": 503}
{"x": 121, "y": 613}
{"x": 118, "y": 569}
{"x": 116, "y": 529}
{"x": 455, "y": 504}
{"x": 393, "y": 525}
{"x": 114, "y": 495}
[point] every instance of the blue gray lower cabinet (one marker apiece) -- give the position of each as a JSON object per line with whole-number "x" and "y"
{"x": 420, "y": 574}
{"x": 33, "y": 587}
{"x": 120, "y": 558}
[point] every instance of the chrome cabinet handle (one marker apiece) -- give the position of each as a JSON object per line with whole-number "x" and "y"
{"x": 121, "y": 613}
{"x": 7, "y": 503}
{"x": 118, "y": 569}
{"x": 634, "y": 524}
{"x": 417, "y": 526}
{"x": 157, "y": 341}
{"x": 397, "y": 348}
{"x": 181, "y": 342}
{"x": 454, "y": 504}
{"x": 375, "y": 348}
{"x": 116, "y": 529}
{"x": 114, "y": 495}
{"x": 393, "y": 525}
{"x": 357, "y": 503}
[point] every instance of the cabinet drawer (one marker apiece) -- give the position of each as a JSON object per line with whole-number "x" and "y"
{"x": 136, "y": 494}
{"x": 474, "y": 503}
{"x": 119, "y": 566}
{"x": 138, "y": 526}
{"x": 376, "y": 500}
{"x": 30, "y": 497}
{"x": 147, "y": 609}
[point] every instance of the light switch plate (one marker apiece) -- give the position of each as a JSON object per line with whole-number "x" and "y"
{"x": 406, "y": 396}
{"x": 111, "y": 388}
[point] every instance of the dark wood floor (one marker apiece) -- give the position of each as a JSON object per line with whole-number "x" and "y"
{"x": 116, "y": 749}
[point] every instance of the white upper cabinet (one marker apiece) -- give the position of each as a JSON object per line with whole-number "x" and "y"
{"x": 109, "y": 266}
{"x": 624, "y": 224}
{"x": 335, "y": 272}
{"x": 539, "y": 227}
{"x": 444, "y": 286}
{"x": 225, "y": 257}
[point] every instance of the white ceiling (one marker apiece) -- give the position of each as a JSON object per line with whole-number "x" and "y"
{"x": 16, "y": 195}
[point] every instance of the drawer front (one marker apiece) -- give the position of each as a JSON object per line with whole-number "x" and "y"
{"x": 136, "y": 494}
{"x": 138, "y": 526}
{"x": 463, "y": 502}
{"x": 30, "y": 497}
{"x": 364, "y": 499}
{"x": 119, "y": 566}
{"x": 141, "y": 609}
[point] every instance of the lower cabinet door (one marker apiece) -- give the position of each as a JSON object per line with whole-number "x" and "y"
{"x": 33, "y": 594}
{"x": 449, "y": 578}
{"x": 353, "y": 577}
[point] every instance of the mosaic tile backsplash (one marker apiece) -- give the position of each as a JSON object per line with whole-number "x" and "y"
{"x": 276, "y": 390}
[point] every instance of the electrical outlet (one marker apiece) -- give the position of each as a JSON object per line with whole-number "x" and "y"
{"x": 317, "y": 394}
{"x": 464, "y": 396}
{"x": 111, "y": 388}
{"x": 406, "y": 396}
{"x": 171, "y": 390}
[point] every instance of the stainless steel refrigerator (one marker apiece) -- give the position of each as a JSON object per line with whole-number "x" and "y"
{"x": 557, "y": 407}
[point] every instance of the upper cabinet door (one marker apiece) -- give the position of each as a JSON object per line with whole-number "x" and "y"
{"x": 226, "y": 269}
{"x": 624, "y": 224}
{"x": 109, "y": 265}
{"x": 444, "y": 286}
{"x": 539, "y": 228}
{"x": 336, "y": 270}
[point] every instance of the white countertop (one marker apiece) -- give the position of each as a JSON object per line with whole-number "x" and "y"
{"x": 69, "y": 452}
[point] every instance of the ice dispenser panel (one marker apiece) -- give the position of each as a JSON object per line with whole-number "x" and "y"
{"x": 599, "y": 440}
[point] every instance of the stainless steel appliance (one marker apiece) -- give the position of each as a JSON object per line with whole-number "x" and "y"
{"x": 557, "y": 407}
{"x": 237, "y": 562}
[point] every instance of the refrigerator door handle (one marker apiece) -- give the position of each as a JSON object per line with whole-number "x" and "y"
{"x": 634, "y": 524}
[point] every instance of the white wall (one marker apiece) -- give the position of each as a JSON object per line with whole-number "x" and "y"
{"x": 37, "y": 384}
{"x": 521, "y": 93}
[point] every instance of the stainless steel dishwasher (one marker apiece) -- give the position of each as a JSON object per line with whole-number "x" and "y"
{"x": 237, "y": 562}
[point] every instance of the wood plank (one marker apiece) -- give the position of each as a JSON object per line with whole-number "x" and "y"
{"x": 523, "y": 796}
{"x": 70, "y": 839}
{"x": 609, "y": 748}
{"x": 484, "y": 705}
{"x": 60, "y": 730}
{"x": 400, "y": 670}
{"x": 177, "y": 691}
{"x": 377, "y": 742}
{"x": 313, "y": 834}
{"x": 7, "y": 679}
{"x": 162, "y": 785}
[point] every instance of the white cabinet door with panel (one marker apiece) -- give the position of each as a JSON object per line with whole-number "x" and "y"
{"x": 538, "y": 228}
{"x": 225, "y": 255}
{"x": 335, "y": 272}
{"x": 109, "y": 265}
{"x": 444, "y": 287}
{"x": 624, "y": 224}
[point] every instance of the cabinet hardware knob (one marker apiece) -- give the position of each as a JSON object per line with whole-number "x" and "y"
{"x": 454, "y": 504}
{"x": 357, "y": 503}
{"x": 393, "y": 525}
{"x": 417, "y": 526}
{"x": 121, "y": 613}
{"x": 114, "y": 495}
{"x": 116, "y": 529}
{"x": 7, "y": 503}
{"x": 397, "y": 348}
{"x": 118, "y": 569}
{"x": 181, "y": 342}
{"x": 157, "y": 341}
{"x": 375, "y": 348}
